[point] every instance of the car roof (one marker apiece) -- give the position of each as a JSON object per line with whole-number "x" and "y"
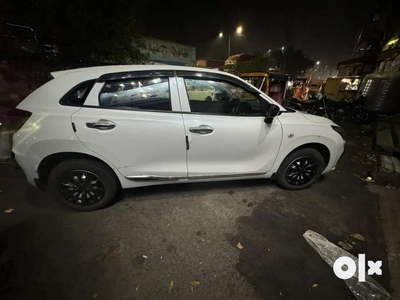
{"x": 95, "y": 72}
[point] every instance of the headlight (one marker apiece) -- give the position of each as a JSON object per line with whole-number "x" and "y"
{"x": 340, "y": 130}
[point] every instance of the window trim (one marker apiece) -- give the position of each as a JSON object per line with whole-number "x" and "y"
{"x": 224, "y": 79}
{"x": 64, "y": 101}
{"x": 133, "y": 108}
{"x": 135, "y": 74}
{"x": 216, "y": 76}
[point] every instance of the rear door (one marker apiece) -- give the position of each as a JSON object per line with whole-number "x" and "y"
{"x": 227, "y": 135}
{"x": 134, "y": 121}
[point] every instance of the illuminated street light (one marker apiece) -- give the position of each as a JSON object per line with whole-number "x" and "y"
{"x": 283, "y": 48}
{"x": 239, "y": 31}
{"x": 318, "y": 62}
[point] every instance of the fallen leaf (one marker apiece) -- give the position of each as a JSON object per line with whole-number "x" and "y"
{"x": 369, "y": 179}
{"x": 171, "y": 286}
{"x": 195, "y": 283}
{"x": 137, "y": 288}
{"x": 358, "y": 236}
{"x": 315, "y": 285}
{"x": 239, "y": 245}
{"x": 345, "y": 246}
{"x": 9, "y": 211}
{"x": 144, "y": 256}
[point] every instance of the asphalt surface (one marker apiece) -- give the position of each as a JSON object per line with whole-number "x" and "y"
{"x": 180, "y": 241}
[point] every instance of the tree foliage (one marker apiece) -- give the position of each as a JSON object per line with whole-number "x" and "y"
{"x": 291, "y": 61}
{"x": 89, "y": 30}
{"x": 295, "y": 62}
{"x": 260, "y": 63}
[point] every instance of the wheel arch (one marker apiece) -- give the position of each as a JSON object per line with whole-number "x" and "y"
{"x": 321, "y": 148}
{"x": 51, "y": 161}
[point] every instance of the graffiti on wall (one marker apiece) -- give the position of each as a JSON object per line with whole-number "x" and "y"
{"x": 167, "y": 51}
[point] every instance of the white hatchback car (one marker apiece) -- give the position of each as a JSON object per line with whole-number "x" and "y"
{"x": 81, "y": 136}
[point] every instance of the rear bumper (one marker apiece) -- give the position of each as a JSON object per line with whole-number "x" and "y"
{"x": 30, "y": 174}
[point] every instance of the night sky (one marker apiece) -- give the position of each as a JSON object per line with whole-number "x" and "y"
{"x": 326, "y": 32}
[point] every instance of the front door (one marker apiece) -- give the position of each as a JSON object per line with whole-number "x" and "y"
{"x": 136, "y": 125}
{"x": 227, "y": 135}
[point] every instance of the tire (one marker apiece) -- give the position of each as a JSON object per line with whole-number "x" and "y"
{"x": 300, "y": 156}
{"x": 91, "y": 183}
{"x": 208, "y": 98}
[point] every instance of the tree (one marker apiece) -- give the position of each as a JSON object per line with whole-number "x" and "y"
{"x": 94, "y": 31}
{"x": 291, "y": 61}
{"x": 294, "y": 61}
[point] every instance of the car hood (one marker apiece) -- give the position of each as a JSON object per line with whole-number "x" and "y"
{"x": 316, "y": 119}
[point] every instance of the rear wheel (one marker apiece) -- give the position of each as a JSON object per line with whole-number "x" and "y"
{"x": 83, "y": 185}
{"x": 300, "y": 169}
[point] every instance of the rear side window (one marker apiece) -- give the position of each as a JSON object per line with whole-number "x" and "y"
{"x": 77, "y": 95}
{"x": 134, "y": 94}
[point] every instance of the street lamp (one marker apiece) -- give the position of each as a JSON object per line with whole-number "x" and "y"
{"x": 283, "y": 48}
{"x": 318, "y": 62}
{"x": 239, "y": 31}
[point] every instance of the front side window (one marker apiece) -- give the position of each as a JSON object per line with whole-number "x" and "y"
{"x": 133, "y": 94}
{"x": 221, "y": 97}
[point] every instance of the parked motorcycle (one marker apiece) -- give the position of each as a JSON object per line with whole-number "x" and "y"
{"x": 348, "y": 110}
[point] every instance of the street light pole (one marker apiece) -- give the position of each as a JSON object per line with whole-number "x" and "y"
{"x": 239, "y": 31}
{"x": 229, "y": 45}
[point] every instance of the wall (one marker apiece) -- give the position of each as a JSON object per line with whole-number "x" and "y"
{"x": 167, "y": 52}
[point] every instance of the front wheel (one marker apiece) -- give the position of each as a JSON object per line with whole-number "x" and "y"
{"x": 83, "y": 185}
{"x": 300, "y": 169}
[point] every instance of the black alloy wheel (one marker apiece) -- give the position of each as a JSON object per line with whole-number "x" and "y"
{"x": 84, "y": 184}
{"x": 81, "y": 187}
{"x": 301, "y": 170}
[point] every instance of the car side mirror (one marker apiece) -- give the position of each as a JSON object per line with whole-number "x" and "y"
{"x": 271, "y": 113}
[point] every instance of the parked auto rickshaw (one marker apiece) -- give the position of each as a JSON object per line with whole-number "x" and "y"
{"x": 339, "y": 88}
{"x": 315, "y": 89}
{"x": 381, "y": 92}
{"x": 274, "y": 85}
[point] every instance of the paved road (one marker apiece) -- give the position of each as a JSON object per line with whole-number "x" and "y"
{"x": 188, "y": 233}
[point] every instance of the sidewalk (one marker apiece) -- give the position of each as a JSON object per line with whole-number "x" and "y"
{"x": 389, "y": 206}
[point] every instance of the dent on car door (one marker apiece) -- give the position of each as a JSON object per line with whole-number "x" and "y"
{"x": 132, "y": 123}
{"x": 228, "y": 136}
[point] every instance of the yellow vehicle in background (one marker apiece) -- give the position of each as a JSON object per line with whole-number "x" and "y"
{"x": 315, "y": 89}
{"x": 339, "y": 88}
{"x": 316, "y": 85}
{"x": 274, "y": 85}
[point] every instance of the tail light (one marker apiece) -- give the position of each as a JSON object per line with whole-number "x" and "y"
{"x": 17, "y": 118}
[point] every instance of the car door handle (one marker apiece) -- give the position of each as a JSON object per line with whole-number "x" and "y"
{"x": 101, "y": 125}
{"x": 202, "y": 129}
